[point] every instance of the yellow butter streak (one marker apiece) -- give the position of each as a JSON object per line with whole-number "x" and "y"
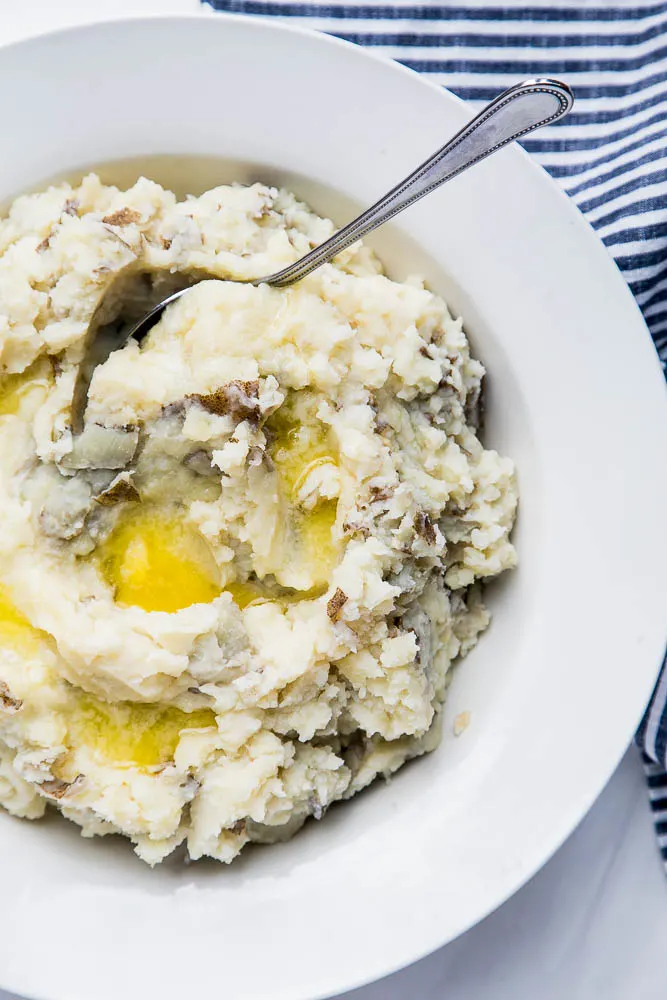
{"x": 16, "y": 632}
{"x": 297, "y": 449}
{"x": 31, "y": 384}
{"x": 158, "y": 562}
{"x": 130, "y": 733}
{"x": 244, "y": 594}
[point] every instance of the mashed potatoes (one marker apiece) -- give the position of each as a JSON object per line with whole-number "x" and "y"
{"x": 236, "y": 596}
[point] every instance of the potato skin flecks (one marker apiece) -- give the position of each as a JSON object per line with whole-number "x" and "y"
{"x": 335, "y": 604}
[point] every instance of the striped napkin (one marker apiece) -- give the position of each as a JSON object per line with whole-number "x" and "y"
{"x": 609, "y": 155}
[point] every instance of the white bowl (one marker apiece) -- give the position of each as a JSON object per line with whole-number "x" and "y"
{"x": 557, "y": 686}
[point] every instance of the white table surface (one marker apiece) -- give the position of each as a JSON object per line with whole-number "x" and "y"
{"x": 592, "y": 925}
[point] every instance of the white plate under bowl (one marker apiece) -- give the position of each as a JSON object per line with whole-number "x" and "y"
{"x": 557, "y": 685}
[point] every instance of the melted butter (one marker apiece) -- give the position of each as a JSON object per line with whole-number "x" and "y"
{"x": 249, "y": 594}
{"x": 16, "y": 632}
{"x": 245, "y": 594}
{"x": 310, "y": 465}
{"x": 158, "y": 562}
{"x": 30, "y": 385}
{"x": 297, "y": 448}
{"x": 131, "y": 733}
{"x": 317, "y": 536}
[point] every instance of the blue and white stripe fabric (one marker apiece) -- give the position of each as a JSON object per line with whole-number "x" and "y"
{"x": 609, "y": 155}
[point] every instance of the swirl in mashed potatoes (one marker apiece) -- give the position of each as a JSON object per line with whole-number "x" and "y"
{"x": 236, "y": 597}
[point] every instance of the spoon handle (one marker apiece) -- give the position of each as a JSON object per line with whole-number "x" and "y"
{"x": 514, "y": 113}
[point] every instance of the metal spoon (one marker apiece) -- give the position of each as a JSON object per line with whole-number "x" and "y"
{"x": 513, "y": 114}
